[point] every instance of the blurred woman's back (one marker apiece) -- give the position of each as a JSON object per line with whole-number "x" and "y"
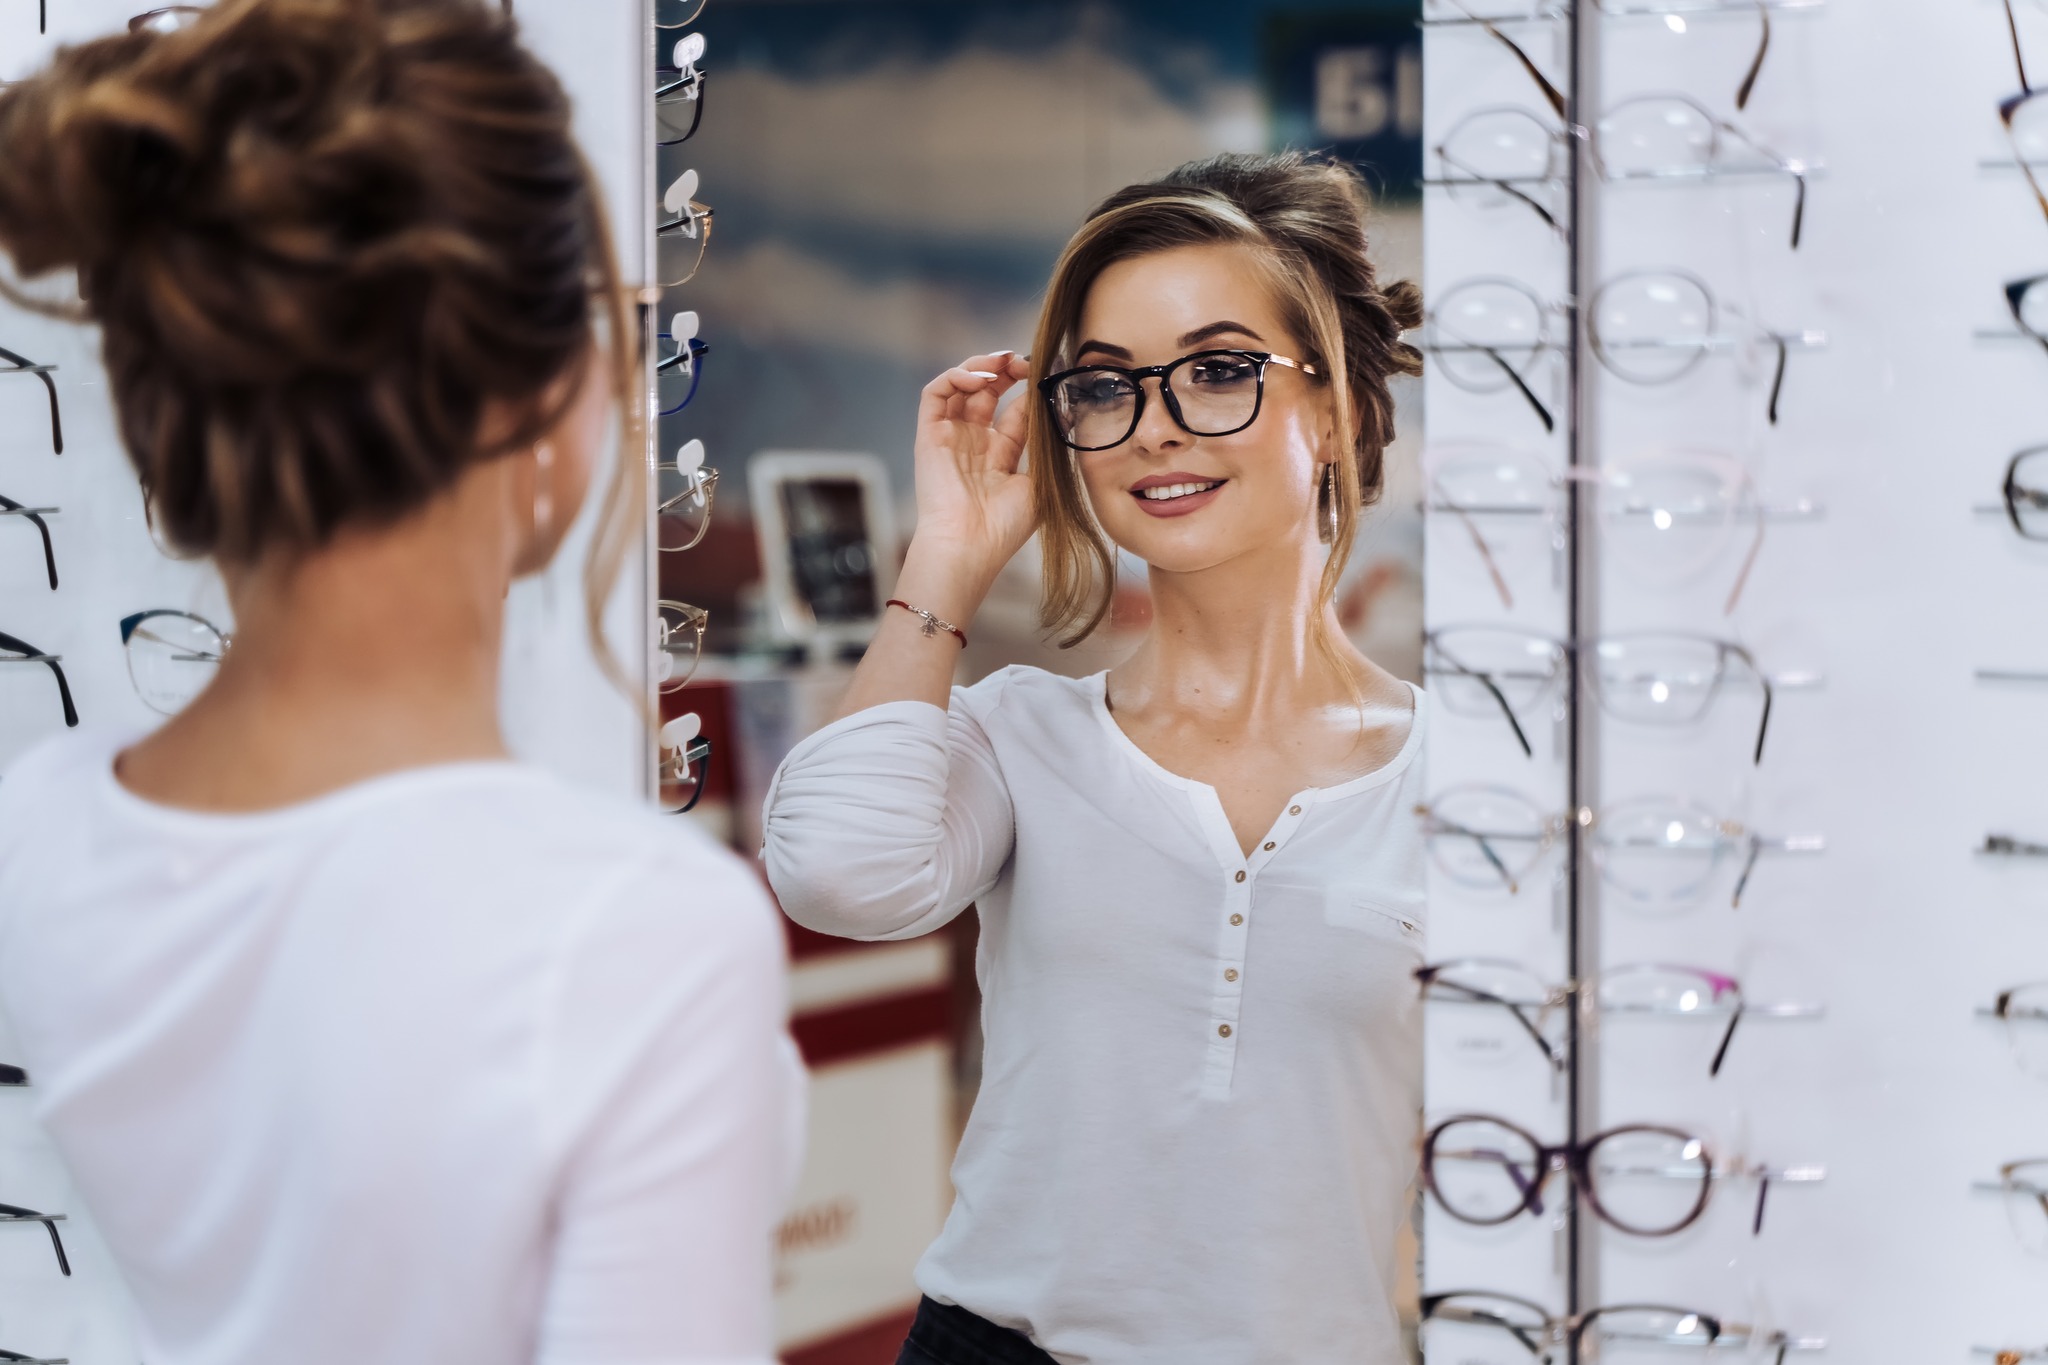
{"x": 362, "y": 1041}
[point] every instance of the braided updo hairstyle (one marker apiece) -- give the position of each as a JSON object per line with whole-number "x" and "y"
{"x": 1305, "y": 216}
{"x": 318, "y": 237}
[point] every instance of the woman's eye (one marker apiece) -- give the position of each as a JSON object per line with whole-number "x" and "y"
{"x": 1221, "y": 373}
{"x": 1099, "y": 390}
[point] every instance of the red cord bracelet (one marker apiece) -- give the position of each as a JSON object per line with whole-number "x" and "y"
{"x": 932, "y": 624}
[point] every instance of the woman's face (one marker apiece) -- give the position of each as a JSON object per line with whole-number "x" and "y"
{"x": 1256, "y": 487}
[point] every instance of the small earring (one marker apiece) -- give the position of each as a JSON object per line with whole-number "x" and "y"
{"x": 543, "y": 489}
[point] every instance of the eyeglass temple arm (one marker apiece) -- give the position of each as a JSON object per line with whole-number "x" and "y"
{"x": 1763, "y": 1190}
{"x": 49, "y": 1222}
{"x": 2012, "y": 27}
{"x": 1756, "y": 66}
{"x": 1721, "y": 1055}
{"x": 42, "y": 372}
{"x": 1485, "y": 848}
{"x": 703, "y": 776}
{"x": 1756, "y": 545}
{"x": 1756, "y": 847}
{"x": 1778, "y": 376}
{"x": 1499, "y": 700}
{"x": 1763, "y": 724}
{"x": 1478, "y": 996}
{"x": 1444, "y": 155}
{"x": 29, "y": 651}
{"x": 1551, "y": 94}
{"x": 50, "y": 553}
{"x": 1500, "y": 584}
{"x": 1515, "y": 378}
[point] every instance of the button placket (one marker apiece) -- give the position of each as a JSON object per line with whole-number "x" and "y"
{"x": 1227, "y": 989}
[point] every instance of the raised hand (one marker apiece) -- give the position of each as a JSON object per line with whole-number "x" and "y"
{"x": 974, "y": 506}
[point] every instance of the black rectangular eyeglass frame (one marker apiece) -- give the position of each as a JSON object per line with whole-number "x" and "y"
{"x": 1164, "y": 374}
{"x": 18, "y": 364}
{"x": 14, "y": 1213}
{"x": 34, "y": 515}
{"x": 30, "y": 654}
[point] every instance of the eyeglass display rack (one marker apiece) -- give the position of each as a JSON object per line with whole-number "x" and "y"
{"x": 1900, "y": 887}
{"x": 558, "y": 709}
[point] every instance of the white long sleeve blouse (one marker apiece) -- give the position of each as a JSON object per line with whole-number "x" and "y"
{"x": 1196, "y": 1131}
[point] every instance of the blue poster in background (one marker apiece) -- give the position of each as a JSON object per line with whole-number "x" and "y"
{"x": 1350, "y": 81}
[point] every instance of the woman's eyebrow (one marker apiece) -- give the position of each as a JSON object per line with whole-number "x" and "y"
{"x": 1214, "y": 329}
{"x": 1104, "y": 347}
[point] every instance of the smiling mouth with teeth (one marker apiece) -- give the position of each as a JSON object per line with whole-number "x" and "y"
{"x": 1167, "y": 492}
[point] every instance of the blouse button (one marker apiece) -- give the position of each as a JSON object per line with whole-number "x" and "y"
{"x": 1230, "y": 973}
{"x": 1237, "y": 919}
{"x": 1240, "y": 876}
{"x": 1223, "y": 1030}
{"x": 1270, "y": 845}
{"x": 1294, "y": 810}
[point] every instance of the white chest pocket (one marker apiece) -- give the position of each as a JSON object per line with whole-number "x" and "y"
{"x": 1371, "y": 910}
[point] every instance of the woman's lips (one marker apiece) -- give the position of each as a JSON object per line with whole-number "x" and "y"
{"x": 1183, "y": 504}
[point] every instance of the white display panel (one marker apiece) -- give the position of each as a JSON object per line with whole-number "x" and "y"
{"x": 1877, "y": 592}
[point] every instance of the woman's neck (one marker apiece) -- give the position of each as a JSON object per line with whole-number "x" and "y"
{"x": 377, "y": 652}
{"x": 1238, "y": 634}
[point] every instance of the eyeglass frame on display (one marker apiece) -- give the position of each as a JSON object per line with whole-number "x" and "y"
{"x": 1570, "y": 1331}
{"x": 1781, "y": 341}
{"x": 10, "y": 508}
{"x": 131, "y": 627}
{"x": 1562, "y": 137}
{"x": 687, "y": 76}
{"x": 2006, "y": 1187}
{"x": 1136, "y": 377}
{"x": 14, "y": 1213}
{"x": 702, "y": 483}
{"x": 2012, "y": 493}
{"x": 1605, "y": 476}
{"x": 1572, "y": 1160}
{"x": 689, "y": 358}
{"x": 19, "y": 364}
{"x": 11, "y": 1075}
{"x": 2010, "y": 846}
{"x": 1430, "y": 975}
{"x": 696, "y": 619}
{"x": 1554, "y": 96}
{"x": 27, "y": 653}
{"x": 1732, "y": 832}
{"x": 1566, "y": 648}
{"x": 676, "y": 199}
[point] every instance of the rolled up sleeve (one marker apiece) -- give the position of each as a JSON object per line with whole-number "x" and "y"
{"x": 889, "y": 822}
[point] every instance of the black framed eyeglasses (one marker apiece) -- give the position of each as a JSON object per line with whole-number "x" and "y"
{"x": 34, "y": 515}
{"x": 679, "y": 93}
{"x": 1208, "y": 393}
{"x": 18, "y": 651}
{"x": 18, "y": 364}
{"x": 14, "y": 1213}
{"x": 685, "y": 768}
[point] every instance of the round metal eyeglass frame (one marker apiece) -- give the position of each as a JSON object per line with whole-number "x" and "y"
{"x": 2023, "y": 499}
{"x": 1575, "y": 1160}
{"x": 1049, "y": 385}
{"x": 679, "y": 82}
